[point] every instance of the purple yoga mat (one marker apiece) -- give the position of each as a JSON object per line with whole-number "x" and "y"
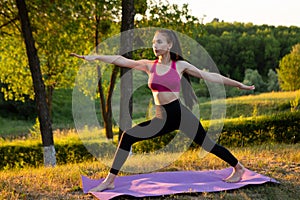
{"x": 175, "y": 182}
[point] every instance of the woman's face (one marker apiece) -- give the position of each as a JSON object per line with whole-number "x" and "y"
{"x": 160, "y": 44}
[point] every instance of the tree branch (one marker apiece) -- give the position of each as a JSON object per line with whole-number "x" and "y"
{"x": 9, "y": 22}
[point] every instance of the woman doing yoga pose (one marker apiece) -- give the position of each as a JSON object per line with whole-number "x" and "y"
{"x": 165, "y": 74}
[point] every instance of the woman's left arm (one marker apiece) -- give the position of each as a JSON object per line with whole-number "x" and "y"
{"x": 215, "y": 77}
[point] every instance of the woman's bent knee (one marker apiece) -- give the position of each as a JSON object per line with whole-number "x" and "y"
{"x": 126, "y": 141}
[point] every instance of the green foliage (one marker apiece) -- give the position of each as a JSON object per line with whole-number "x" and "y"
{"x": 252, "y": 77}
{"x": 295, "y": 103}
{"x": 20, "y": 156}
{"x": 273, "y": 83}
{"x": 280, "y": 128}
{"x": 62, "y": 27}
{"x": 289, "y": 70}
{"x": 17, "y": 109}
{"x": 171, "y": 16}
{"x": 15, "y": 77}
{"x": 236, "y": 47}
{"x": 30, "y": 154}
{"x": 140, "y": 6}
{"x": 59, "y": 28}
{"x": 35, "y": 130}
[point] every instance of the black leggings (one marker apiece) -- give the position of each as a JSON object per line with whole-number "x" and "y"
{"x": 169, "y": 117}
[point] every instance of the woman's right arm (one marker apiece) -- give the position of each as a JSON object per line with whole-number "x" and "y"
{"x": 116, "y": 60}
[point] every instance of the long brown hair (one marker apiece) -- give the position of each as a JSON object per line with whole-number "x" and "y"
{"x": 176, "y": 54}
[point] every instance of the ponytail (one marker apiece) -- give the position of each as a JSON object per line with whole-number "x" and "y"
{"x": 189, "y": 95}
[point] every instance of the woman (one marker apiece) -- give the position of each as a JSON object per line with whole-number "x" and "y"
{"x": 165, "y": 75}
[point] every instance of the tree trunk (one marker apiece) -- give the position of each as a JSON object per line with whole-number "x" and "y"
{"x": 127, "y": 26}
{"x": 104, "y": 104}
{"x": 39, "y": 87}
{"x": 49, "y": 99}
{"x": 112, "y": 84}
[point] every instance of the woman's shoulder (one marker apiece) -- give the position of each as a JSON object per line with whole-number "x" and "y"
{"x": 148, "y": 63}
{"x": 182, "y": 64}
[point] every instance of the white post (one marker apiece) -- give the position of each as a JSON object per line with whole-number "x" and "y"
{"x": 49, "y": 156}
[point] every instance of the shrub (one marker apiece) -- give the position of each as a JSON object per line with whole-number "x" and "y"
{"x": 19, "y": 156}
{"x": 280, "y": 128}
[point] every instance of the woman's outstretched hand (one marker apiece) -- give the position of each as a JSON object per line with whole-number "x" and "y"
{"x": 246, "y": 87}
{"x": 76, "y": 55}
{"x": 88, "y": 58}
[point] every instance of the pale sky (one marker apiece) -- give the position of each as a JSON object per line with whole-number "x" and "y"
{"x": 270, "y": 12}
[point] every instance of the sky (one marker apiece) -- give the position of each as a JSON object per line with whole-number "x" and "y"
{"x": 258, "y": 12}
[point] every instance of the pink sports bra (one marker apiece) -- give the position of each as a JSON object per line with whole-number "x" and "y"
{"x": 168, "y": 82}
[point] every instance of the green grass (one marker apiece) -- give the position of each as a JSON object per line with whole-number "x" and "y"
{"x": 253, "y": 105}
{"x": 237, "y": 107}
{"x": 14, "y": 128}
{"x": 278, "y": 161}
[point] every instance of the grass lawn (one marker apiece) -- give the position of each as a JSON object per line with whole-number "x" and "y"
{"x": 279, "y": 161}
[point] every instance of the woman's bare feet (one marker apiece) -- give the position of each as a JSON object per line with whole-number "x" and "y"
{"x": 107, "y": 184}
{"x": 236, "y": 175}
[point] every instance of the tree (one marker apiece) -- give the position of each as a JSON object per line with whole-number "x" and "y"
{"x": 56, "y": 35}
{"x": 289, "y": 70}
{"x": 127, "y": 35}
{"x": 14, "y": 66}
{"x": 39, "y": 87}
{"x": 107, "y": 76}
{"x": 105, "y": 103}
{"x": 252, "y": 77}
{"x": 171, "y": 16}
{"x": 106, "y": 85}
{"x": 69, "y": 27}
{"x": 272, "y": 83}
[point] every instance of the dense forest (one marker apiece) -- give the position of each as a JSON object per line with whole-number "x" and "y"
{"x": 245, "y": 52}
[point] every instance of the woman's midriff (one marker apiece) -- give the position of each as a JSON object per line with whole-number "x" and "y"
{"x": 162, "y": 98}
